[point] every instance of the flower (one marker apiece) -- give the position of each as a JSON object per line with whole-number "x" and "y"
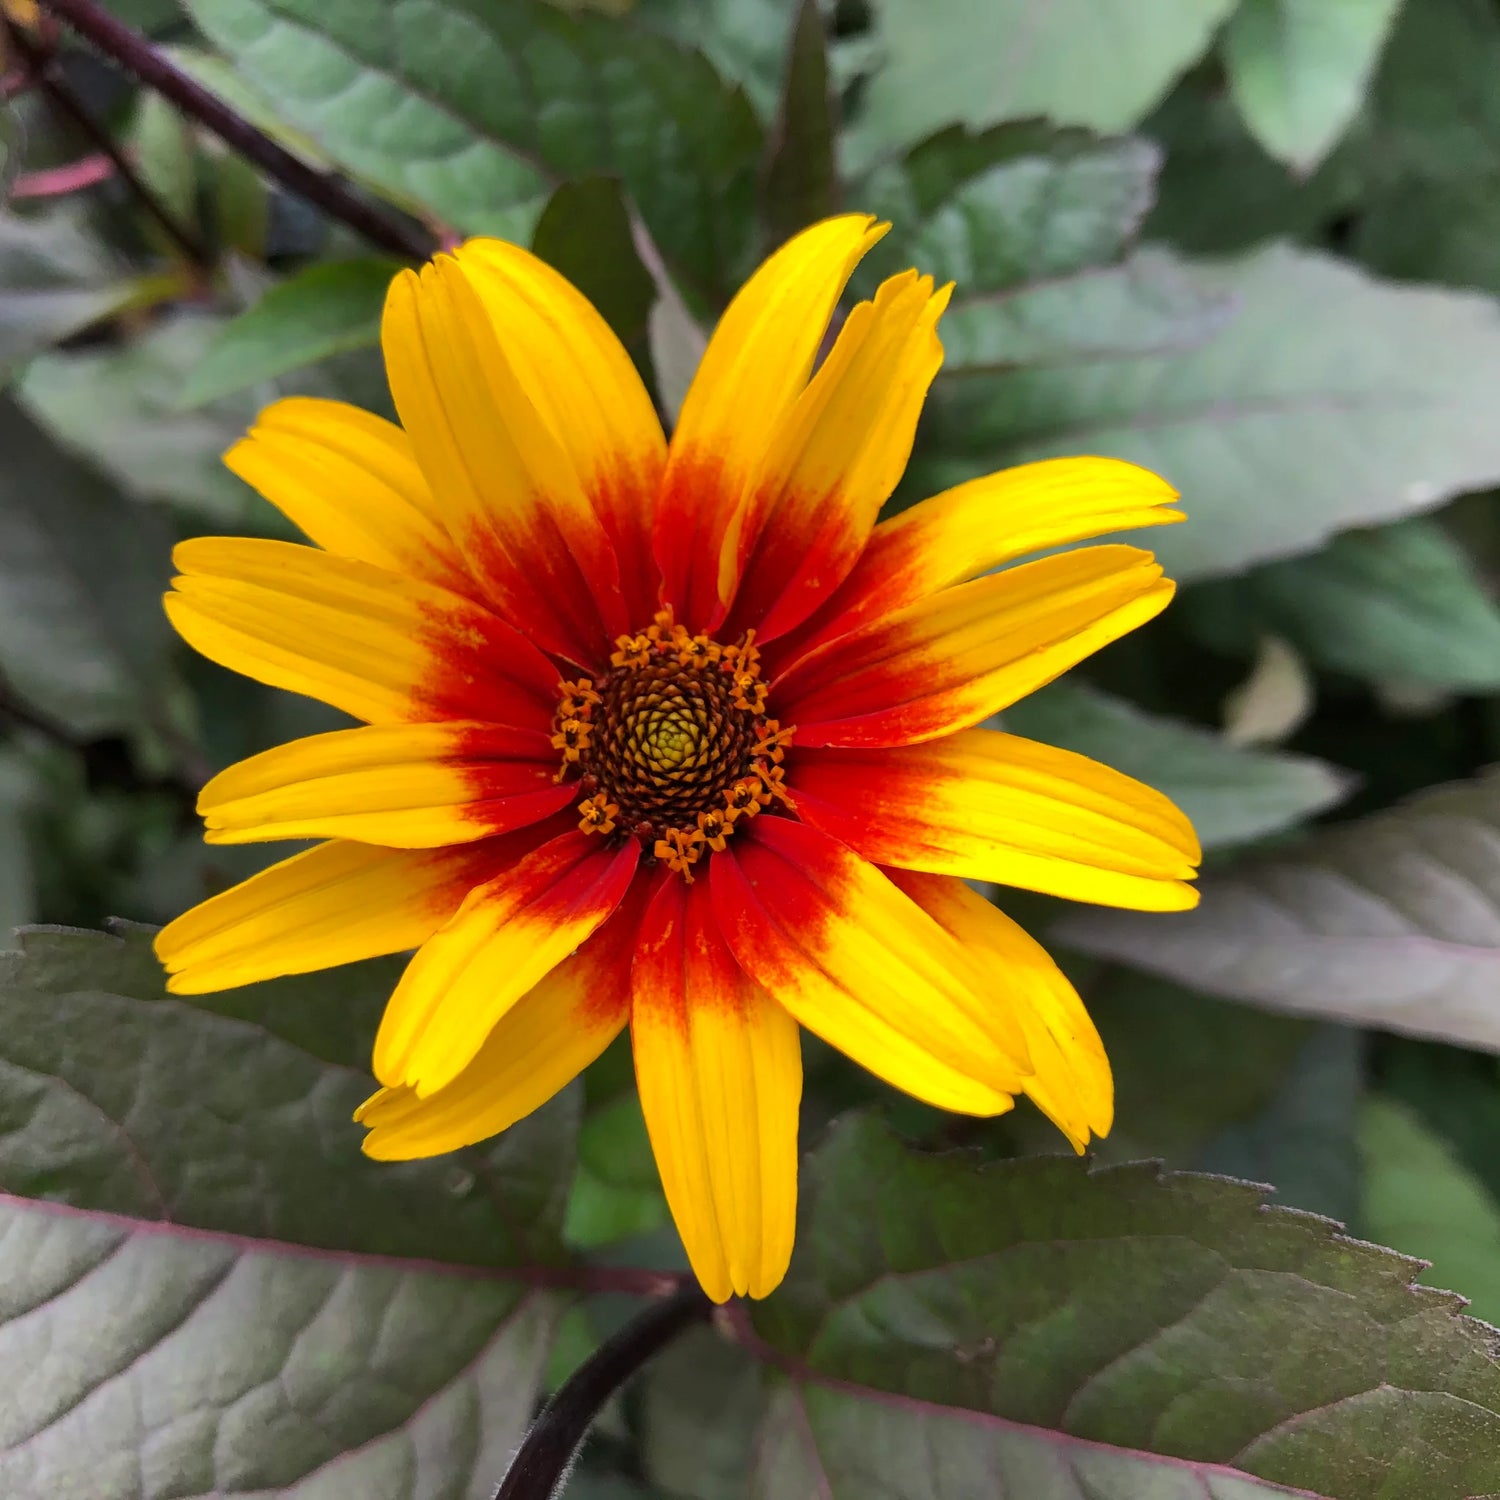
{"x": 673, "y": 737}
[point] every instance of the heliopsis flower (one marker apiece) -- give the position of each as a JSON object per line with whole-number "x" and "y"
{"x": 673, "y": 736}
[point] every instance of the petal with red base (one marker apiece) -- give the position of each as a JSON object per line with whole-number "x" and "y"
{"x": 990, "y": 806}
{"x": 349, "y": 480}
{"x": 382, "y": 647}
{"x": 511, "y": 497}
{"x": 587, "y": 390}
{"x": 719, "y": 1069}
{"x": 1072, "y": 1083}
{"x": 756, "y": 365}
{"x": 330, "y": 905}
{"x": 977, "y": 526}
{"x": 549, "y": 1036}
{"x": 857, "y": 962}
{"x": 947, "y": 662}
{"x": 836, "y": 458}
{"x": 505, "y": 937}
{"x": 407, "y": 786}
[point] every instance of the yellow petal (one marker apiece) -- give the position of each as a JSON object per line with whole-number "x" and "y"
{"x": 511, "y": 498}
{"x": 326, "y": 906}
{"x": 951, "y": 660}
{"x": 1072, "y": 1084}
{"x": 407, "y": 786}
{"x": 857, "y": 962}
{"x": 381, "y": 647}
{"x": 991, "y": 806}
{"x": 835, "y": 459}
{"x": 587, "y": 391}
{"x": 756, "y": 365}
{"x": 719, "y": 1069}
{"x": 504, "y": 938}
{"x": 977, "y": 526}
{"x": 537, "y": 1047}
{"x": 348, "y": 479}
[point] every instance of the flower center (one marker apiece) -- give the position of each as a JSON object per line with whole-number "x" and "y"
{"x": 672, "y": 744}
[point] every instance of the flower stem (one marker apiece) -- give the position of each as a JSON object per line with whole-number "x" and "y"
{"x": 133, "y": 52}
{"x": 59, "y": 93}
{"x": 547, "y": 1448}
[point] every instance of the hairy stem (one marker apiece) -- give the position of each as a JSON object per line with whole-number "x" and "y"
{"x": 547, "y": 1449}
{"x": 133, "y": 52}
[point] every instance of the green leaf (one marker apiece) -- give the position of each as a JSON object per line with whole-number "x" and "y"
{"x": 746, "y": 40}
{"x": 1331, "y": 400}
{"x": 1401, "y": 602}
{"x": 1421, "y": 1200}
{"x": 321, "y": 311}
{"x": 161, "y": 1363}
{"x": 1298, "y": 69}
{"x": 801, "y": 177}
{"x": 1018, "y": 203}
{"x": 585, "y": 233}
{"x": 55, "y": 279}
{"x": 1391, "y": 921}
{"x": 1100, "y": 63}
{"x": 435, "y": 102}
{"x": 117, "y": 406}
{"x": 82, "y": 637}
{"x": 1010, "y": 1320}
{"x": 1232, "y": 794}
{"x": 279, "y": 1312}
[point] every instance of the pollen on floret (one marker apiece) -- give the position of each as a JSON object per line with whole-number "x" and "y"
{"x": 672, "y": 745}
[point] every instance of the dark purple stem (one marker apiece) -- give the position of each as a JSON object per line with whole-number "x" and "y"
{"x": 136, "y": 55}
{"x": 547, "y": 1449}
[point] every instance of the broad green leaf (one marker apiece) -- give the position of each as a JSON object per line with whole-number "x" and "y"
{"x": 1100, "y": 63}
{"x": 277, "y": 1312}
{"x": 436, "y": 102}
{"x": 585, "y": 233}
{"x": 1391, "y": 921}
{"x": 801, "y": 176}
{"x": 1231, "y": 794}
{"x": 55, "y": 279}
{"x": 1421, "y": 1200}
{"x": 321, "y": 311}
{"x": 1015, "y": 1318}
{"x": 997, "y": 209}
{"x": 1331, "y": 400}
{"x": 1298, "y": 69}
{"x": 746, "y": 40}
{"x": 1400, "y": 602}
{"x": 160, "y": 1363}
{"x": 82, "y": 637}
{"x": 117, "y": 406}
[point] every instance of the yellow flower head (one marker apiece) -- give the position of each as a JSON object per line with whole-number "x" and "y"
{"x": 673, "y": 736}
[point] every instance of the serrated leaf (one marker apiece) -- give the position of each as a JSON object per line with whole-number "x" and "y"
{"x": 801, "y": 176}
{"x": 1232, "y": 794}
{"x": 1391, "y": 921}
{"x": 1331, "y": 400}
{"x": 1298, "y": 69}
{"x": 162, "y": 1364}
{"x": 117, "y": 406}
{"x": 1023, "y": 1312}
{"x": 1100, "y": 63}
{"x": 198, "y": 1345}
{"x": 1399, "y": 602}
{"x": 81, "y": 636}
{"x": 436, "y": 102}
{"x": 321, "y": 311}
{"x": 1418, "y": 1198}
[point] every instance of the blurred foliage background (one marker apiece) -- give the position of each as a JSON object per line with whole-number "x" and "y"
{"x": 1253, "y": 244}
